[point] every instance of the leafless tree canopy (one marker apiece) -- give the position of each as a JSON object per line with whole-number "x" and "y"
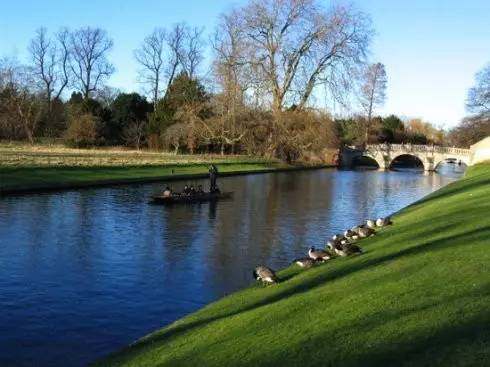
{"x": 373, "y": 88}
{"x": 296, "y": 45}
{"x": 50, "y": 62}
{"x": 90, "y": 67}
{"x": 479, "y": 95}
{"x": 163, "y": 54}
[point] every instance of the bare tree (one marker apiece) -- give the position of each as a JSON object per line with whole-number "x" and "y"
{"x": 231, "y": 73}
{"x": 175, "y": 40}
{"x": 19, "y": 100}
{"x": 134, "y": 133}
{"x": 50, "y": 63}
{"x": 294, "y": 46}
{"x": 192, "y": 53}
{"x": 151, "y": 58}
{"x": 163, "y": 54}
{"x": 479, "y": 96}
{"x": 90, "y": 67}
{"x": 298, "y": 44}
{"x": 372, "y": 91}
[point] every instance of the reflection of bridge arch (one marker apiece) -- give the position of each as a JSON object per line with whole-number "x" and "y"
{"x": 384, "y": 154}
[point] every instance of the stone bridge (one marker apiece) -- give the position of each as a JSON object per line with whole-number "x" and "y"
{"x": 384, "y": 154}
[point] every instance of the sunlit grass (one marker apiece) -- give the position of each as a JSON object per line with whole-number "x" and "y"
{"x": 419, "y": 295}
{"x": 35, "y": 167}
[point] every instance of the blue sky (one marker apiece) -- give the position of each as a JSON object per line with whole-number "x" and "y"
{"x": 431, "y": 49}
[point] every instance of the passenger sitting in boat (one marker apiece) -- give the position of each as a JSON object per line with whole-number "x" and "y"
{"x": 200, "y": 191}
{"x": 167, "y": 192}
{"x": 192, "y": 190}
{"x": 187, "y": 190}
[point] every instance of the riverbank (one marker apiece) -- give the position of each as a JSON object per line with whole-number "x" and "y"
{"x": 26, "y": 169}
{"x": 418, "y": 295}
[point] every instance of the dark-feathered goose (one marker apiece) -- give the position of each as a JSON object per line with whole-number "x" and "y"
{"x": 347, "y": 249}
{"x": 365, "y": 232}
{"x": 332, "y": 243}
{"x": 338, "y": 237}
{"x": 318, "y": 255}
{"x": 265, "y": 274}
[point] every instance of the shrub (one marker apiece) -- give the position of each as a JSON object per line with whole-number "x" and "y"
{"x": 82, "y": 130}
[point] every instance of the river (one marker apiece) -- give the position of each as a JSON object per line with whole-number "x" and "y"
{"x": 85, "y": 272}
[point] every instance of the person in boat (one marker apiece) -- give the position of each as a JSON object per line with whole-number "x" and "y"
{"x": 199, "y": 191}
{"x": 213, "y": 176}
{"x": 192, "y": 190}
{"x": 187, "y": 190}
{"x": 167, "y": 192}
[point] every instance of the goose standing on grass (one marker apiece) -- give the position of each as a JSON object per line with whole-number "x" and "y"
{"x": 371, "y": 223}
{"x": 349, "y": 233}
{"x": 347, "y": 249}
{"x": 318, "y": 255}
{"x": 331, "y": 244}
{"x": 305, "y": 262}
{"x": 338, "y": 237}
{"x": 265, "y": 274}
{"x": 365, "y": 232}
{"x": 382, "y": 222}
{"x": 356, "y": 229}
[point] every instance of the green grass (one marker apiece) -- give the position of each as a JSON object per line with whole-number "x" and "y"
{"x": 37, "y": 167}
{"x": 418, "y": 296}
{"x": 37, "y": 178}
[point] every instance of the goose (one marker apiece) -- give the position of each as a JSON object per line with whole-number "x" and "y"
{"x": 365, "y": 232}
{"x": 332, "y": 243}
{"x": 347, "y": 249}
{"x": 305, "y": 262}
{"x": 371, "y": 223}
{"x": 338, "y": 237}
{"x": 265, "y": 274}
{"x": 356, "y": 229}
{"x": 382, "y": 222}
{"x": 350, "y": 249}
{"x": 349, "y": 233}
{"x": 318, "y": 255}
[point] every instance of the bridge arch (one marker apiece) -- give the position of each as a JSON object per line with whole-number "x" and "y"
{"x": 412, "y": 160}
{"x": 365, "y": 161}
{"x": 458, "y": 160}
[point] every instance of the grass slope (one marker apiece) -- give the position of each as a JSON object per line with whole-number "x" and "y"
{"x": 420, "y": 295}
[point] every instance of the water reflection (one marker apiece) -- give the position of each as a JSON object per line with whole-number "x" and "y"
{"x": 85, "y": 272}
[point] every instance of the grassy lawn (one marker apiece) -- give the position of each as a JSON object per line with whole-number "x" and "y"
{"x": 419, "y": 295}
{"x": 42, "y": 166}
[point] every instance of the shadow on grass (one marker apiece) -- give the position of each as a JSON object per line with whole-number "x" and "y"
{"x": 434, "y": 348}
{"x": 422, "y": 348}
{"x": 295, "y": 290}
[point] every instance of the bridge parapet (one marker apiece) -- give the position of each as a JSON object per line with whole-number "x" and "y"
{"x": 418, "y": 148}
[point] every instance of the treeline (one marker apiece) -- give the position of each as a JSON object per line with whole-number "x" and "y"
{"x": 257, "y": 96}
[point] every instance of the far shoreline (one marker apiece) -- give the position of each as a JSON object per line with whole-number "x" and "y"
{"x": 62, "y": 186}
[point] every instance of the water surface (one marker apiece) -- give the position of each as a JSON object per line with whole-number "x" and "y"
{"x": 85, "y": 272}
